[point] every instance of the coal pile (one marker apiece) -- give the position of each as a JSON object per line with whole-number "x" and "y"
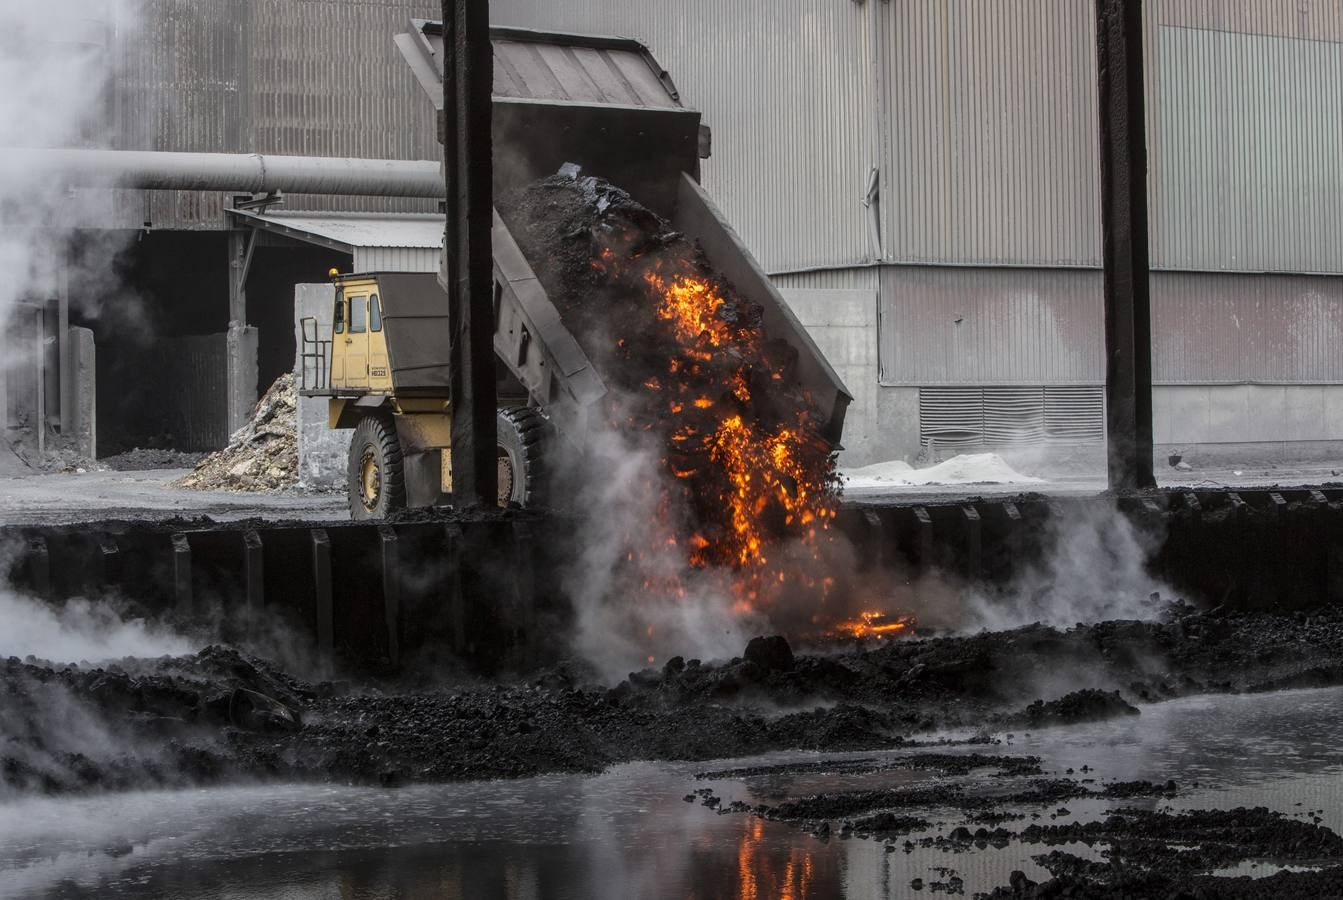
{"x": 1088, "y": 705}
{"x": 262, "y": 455}
{"x": 136, "y": 722}
{"x": 219, "y": 714}
{"x": 1141, "y": 862}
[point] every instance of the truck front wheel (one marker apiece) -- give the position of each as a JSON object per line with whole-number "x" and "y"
{"x": 376, "y": 476}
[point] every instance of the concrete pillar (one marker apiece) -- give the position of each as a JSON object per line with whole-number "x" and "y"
{"x": 242, "y": 340}
{"x": 40, "y": 381}
{"x": 80, "y": 384}
{"x": 242, "y": 374}
{"x": 67, "y": 411}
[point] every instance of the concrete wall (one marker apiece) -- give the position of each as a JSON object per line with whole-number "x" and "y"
{"x": 882, "y": 422}
{"x": 844, "y": 325}
{"x": 322, "y": 452}
{"x": 83, "y": 390}
{"x": 1226, "y": 423}
{"x": 1249, "y": 423}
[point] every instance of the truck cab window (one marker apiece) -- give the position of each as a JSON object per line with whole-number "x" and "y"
{"x": 338, "y": 314}
{"x": 358, "y": 315}
{"x": 374, "y": 313}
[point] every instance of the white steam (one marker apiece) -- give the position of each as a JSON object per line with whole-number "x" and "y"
{"x": 57, "y": 64}
{"x": 636, "y": 601}
{"x": 1094, "y": 568}
{"x": 81, "y": 630}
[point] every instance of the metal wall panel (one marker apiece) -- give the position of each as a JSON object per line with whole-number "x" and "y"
{"x": 978, "y": 326}
{"x": 1235, "y": 329}
{"x": 1316, "y": 20}
{"x": 969, "y": 417}
{"x": 395, "y": 259}
{"x": 990, "y": 132}
{"x": 1248, "y": 137}
{"x": 304, "y": 77}
{"x": 787, "y": 89}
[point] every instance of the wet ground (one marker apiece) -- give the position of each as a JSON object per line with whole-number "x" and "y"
{"x": 78, "y": 497}
{"x": 629, "y": 832}
{"x": 51, "y": 499}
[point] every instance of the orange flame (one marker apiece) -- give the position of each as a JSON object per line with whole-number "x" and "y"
{"x": 763, "y": 465}
{"x": 873, "y": 624}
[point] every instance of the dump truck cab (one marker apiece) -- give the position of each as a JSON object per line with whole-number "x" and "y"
{"x": 359, "y": 363}
{"x": 382, "y": 364}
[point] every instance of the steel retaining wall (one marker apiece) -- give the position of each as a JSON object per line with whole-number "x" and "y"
{"x": 371, "y": 596}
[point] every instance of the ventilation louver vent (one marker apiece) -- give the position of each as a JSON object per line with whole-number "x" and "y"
{"x": 955, "y": 418}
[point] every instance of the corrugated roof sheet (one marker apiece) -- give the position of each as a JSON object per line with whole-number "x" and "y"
{"x": 422, "y": 231}
{"x": 549, "y": 71}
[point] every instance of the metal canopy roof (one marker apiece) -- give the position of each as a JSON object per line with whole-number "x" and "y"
{"x": 348, "y": 232}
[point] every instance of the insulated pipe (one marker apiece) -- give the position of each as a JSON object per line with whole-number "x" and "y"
{"x": 249, "y": 172}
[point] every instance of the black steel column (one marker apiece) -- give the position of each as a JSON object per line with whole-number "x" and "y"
{"x": 1128, "y": 306}
{"x": 468, "y": 82}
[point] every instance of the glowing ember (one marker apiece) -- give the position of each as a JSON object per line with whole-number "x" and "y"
{"x": 873, "y": 624}
{"x": 772, "y": 473}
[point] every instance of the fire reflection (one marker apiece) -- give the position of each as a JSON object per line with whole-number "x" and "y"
{"x": 764, "y": 876}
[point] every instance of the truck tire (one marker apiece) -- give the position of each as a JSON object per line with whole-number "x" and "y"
{"x": 376, "y": 478}
{"x": 523, "y": 437}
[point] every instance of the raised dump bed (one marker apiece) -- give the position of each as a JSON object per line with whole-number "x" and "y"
{"x": 606, "y": 106}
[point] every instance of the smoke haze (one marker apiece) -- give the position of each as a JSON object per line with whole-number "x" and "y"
{"x": 635, "y": 598}
{"x": 1094, "y": 568}
{"x": 81, "y": 630}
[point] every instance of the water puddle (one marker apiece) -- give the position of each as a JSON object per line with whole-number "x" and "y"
{"x": 629, "y": 833}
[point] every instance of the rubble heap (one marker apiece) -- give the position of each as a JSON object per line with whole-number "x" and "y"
{"x": 262, "y": 455}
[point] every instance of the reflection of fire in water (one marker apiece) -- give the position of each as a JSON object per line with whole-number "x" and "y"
{"x": 755, "y": 879}
{"x": 872, "y": 624}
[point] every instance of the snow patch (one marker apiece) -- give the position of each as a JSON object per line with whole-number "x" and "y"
{"x": 969, "y": 468}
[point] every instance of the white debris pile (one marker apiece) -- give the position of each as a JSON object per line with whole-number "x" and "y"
{"x": 969, "y": 468}
{"x": 262, "y": 455}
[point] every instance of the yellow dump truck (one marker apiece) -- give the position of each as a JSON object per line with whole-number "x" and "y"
{"x": 384, "y": 371}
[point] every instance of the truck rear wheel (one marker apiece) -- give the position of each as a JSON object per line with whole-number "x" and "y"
{"x": 523, "y": 436}
{"x": 376, "y": 479}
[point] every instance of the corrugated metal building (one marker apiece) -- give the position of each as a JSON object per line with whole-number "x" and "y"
{"x": 948, "y": 148}
{"x": 921, "y": 175}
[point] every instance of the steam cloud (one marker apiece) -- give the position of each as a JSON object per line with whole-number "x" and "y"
{"x": 630, "y": 608}
{"x": 1094, "y": 568}
{"x": 81, "y": 630}
{"x": 56, "y": 65}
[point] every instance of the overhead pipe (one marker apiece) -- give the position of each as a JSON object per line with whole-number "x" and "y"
{"x": 243, "y": 172}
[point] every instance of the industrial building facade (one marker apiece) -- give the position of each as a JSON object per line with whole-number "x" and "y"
{"x": 920, "y": 177}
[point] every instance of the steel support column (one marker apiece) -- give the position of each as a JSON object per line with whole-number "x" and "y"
{"x": 1128, "y": 306}
{"x": 468, "y": 270}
